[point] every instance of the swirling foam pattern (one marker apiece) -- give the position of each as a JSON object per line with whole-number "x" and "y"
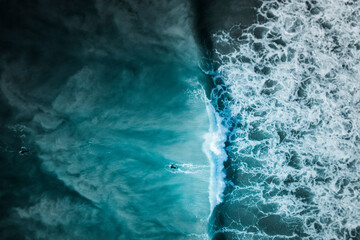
{"x": 289, "y": 88}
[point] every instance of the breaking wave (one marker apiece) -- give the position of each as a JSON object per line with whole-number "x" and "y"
{"x": 290, "y": 89}
{"x": 214, "y": 149}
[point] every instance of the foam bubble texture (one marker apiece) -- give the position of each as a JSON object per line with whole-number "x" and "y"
{"x": 292, "y": 81}
{"x": 214, "y": 149}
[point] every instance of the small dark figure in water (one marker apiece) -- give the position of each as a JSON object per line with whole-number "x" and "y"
{"x": 173, "y": 167}
{"x": 23, "y": 150}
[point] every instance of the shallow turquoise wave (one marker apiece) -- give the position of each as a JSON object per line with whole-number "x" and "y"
{"x": 101, "y": 109}
{"x": 163, "y": 120}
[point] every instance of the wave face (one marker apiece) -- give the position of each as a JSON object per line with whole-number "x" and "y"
{"x": 290, "y": 92}
{"x": 213, "y": 148}
{"x": 104, "y": 96}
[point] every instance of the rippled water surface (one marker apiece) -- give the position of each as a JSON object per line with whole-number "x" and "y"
{"x": 196, "y": 119}
{"x": 289, "y": 89}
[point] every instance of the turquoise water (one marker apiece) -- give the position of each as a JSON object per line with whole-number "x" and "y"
{"x": 104, "y": 108}
{"x": 114, "y": 143}
{"x": 179, "y": 120}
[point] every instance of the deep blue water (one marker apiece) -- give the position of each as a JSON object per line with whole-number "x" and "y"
{"x": 180, "y": 119}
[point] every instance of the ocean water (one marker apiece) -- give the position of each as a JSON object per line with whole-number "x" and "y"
{"x": 234, "y": 119}
{"x": 104, "y": 102}
{"x": 288, "y": 91}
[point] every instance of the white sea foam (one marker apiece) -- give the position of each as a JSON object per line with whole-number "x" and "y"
{"x": 214, "y": 148}
{"x": 294, "y": 90}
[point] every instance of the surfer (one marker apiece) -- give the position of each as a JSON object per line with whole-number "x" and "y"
{"x": 23, "y": 150}
{"x": 173, "y": 166}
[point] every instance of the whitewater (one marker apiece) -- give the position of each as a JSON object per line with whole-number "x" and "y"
{"x": 196, "y": 119}
{"x": 290, "y": 93}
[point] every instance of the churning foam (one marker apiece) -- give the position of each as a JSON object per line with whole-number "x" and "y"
{"x": 293, "y": 82}
{"x": 214, "y": 148}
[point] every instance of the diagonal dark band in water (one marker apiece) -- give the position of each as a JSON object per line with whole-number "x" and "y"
{"x": 105, "y": 97}
{"x": 103, "y": 119}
